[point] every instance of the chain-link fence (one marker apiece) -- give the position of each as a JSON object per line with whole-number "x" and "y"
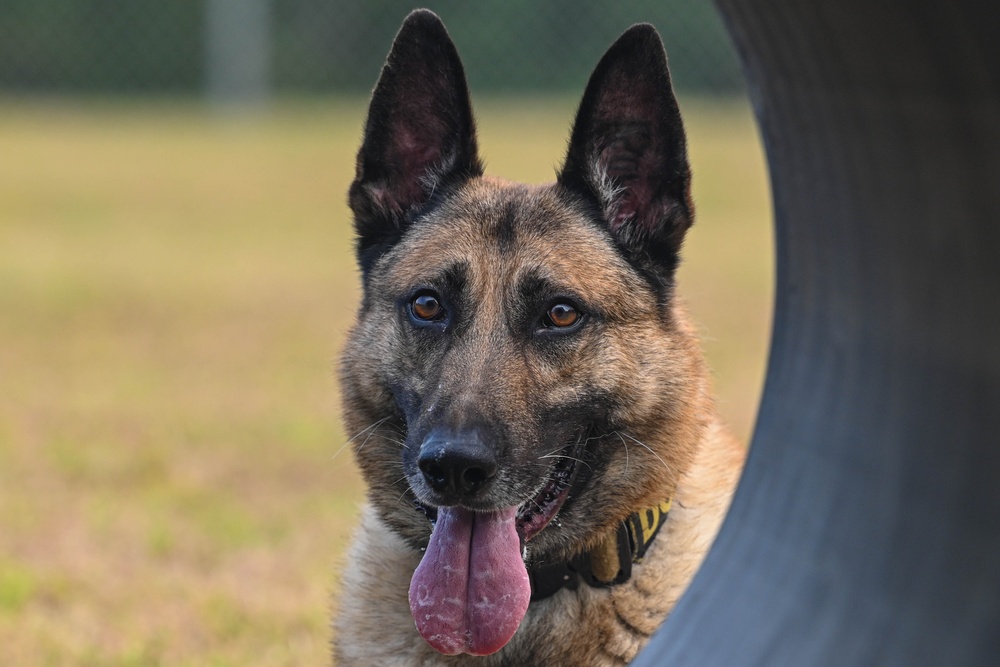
{"x": 258, "y": 47}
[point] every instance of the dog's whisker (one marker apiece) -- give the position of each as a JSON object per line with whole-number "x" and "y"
{"x": 554, "y": 451}
{"x": 401, "y": 479}
{"x": 625, "y": 445}
{"x": 648, "y": 449}
{"x": 368, "y": 437}
{"x": 394, "y": 441}
{"x": 371, "y": 427}
{"x": 533, "y": 502}
{"x": 564, "y": 456}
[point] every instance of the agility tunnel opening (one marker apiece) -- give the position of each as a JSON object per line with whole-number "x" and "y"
{"x": 866, "y": 528}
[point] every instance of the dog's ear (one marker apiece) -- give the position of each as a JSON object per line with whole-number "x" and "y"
{"x": 419, "y": 137}
{"x": 628, "y": 154}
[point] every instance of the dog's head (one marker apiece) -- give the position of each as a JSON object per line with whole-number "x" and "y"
{"x": 518, "y": 355}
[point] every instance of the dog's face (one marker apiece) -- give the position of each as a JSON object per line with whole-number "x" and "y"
{"x": 517, "y": 356}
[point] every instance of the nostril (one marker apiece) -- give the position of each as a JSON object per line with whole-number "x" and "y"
{"x": 435, "y": 474}
{"x": 472, "y": 478}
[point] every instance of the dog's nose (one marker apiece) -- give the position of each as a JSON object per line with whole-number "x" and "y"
{"x": 459, "y": 465}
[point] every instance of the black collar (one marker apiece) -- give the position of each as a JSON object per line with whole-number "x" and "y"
{"x": 607, "y": 564}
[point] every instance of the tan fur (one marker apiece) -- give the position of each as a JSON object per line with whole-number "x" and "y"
{"x": 650, "y": 359}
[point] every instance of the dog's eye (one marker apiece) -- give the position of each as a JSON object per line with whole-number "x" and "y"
{"x": 426, "y": 306}
{"x": 562, "y": 315}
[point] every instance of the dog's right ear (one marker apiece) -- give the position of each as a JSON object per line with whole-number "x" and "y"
{"x": 420, "y": 135}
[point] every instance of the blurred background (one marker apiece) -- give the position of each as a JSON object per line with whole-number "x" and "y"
{"x": 176, "y": 279}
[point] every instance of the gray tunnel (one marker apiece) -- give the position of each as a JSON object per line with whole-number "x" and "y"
{"x": 866, "y": 529}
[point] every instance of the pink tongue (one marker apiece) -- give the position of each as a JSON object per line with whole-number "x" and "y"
{"x": 471, "y": 590}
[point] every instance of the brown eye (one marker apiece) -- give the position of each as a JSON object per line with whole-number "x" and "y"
{"x": 426, "y": 307}
{"x": 562, "y": 315}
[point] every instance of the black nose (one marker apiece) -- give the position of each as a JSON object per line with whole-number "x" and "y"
{"x": 459, "y": 465}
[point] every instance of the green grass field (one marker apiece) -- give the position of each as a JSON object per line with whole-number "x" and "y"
{"x": 174, "y": 288}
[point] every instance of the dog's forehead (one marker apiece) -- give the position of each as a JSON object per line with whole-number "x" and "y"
{"x": 498, "y": 231}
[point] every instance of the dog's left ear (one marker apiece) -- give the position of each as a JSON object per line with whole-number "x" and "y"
{"x": 420, "y": 136}
{"x": 628, "y": 153}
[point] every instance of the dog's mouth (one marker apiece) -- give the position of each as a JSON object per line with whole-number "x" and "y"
{"x": 536, "y": 513}
{"x": 471, "y": 589}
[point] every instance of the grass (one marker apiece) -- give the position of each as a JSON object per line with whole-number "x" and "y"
{"x": 174, "y": 287}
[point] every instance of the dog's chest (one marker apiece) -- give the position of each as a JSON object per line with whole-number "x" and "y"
{"x": 581, "y": 627}
{"x": 573, "y": 628}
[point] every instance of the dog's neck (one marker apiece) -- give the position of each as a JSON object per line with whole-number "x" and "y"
{"x": 609, "y": 562}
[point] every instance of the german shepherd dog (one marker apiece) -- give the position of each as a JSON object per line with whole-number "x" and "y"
{"x": 532, "y": 413}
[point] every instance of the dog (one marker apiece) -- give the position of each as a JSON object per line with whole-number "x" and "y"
{"x": 531, "y": 411}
